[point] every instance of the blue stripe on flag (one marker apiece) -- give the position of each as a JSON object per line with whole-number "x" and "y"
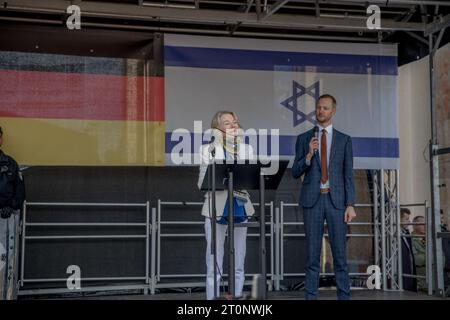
{"x": 362, "y": 147}
{"x": 215, "y": 58}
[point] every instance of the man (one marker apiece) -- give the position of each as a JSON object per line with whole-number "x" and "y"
{"x": 12, "y": 195}
{"x": 419, "y": 250}
{"x": 408, "y": 263}
{"x": 327, "y": 193}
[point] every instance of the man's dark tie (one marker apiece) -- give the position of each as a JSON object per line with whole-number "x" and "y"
{"x": 323, "y": 156}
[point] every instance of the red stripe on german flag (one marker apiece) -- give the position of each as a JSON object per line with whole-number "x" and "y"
{"x": 55, "y": 95}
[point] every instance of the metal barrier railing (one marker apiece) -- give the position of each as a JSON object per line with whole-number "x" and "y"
{"x": 284, "y": 235}
{"x": 154, "y": 236}
{"x": 25, "y": 238}
{"x": 160, "y": 235}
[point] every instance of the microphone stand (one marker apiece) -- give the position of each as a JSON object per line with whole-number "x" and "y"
{"x": 231, "y": 255}
{"x": 214, "y": 218}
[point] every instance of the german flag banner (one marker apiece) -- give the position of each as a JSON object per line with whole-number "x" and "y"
{"x": 73, "y": 110}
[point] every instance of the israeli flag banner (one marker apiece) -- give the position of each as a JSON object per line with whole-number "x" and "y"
{"x": 272, "y": 85}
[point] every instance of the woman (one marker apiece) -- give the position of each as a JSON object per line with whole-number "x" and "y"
{"x": 227, "y": 144}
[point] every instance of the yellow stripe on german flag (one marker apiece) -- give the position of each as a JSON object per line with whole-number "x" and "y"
{"x": 84, "y": 142}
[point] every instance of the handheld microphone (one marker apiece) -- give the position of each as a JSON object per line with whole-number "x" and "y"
{"x": 316, "y": 134}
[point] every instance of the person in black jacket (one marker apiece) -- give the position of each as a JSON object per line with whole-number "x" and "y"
{"x": 12, "y": 196}
{"x": 446, "y": 251}
{"x": 408, "y": 263}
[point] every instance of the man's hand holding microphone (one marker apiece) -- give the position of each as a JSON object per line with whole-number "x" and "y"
{"x": 313, "y": 144}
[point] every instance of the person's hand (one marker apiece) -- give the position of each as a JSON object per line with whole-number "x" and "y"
{"x": 313, "y": 145}
{"x": 349, "y": 214}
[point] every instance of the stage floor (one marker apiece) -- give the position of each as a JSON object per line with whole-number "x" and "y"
{"x": 274, "y": 295}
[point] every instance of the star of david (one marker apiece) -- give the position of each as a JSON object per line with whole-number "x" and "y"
{"x": 291, "y": 103}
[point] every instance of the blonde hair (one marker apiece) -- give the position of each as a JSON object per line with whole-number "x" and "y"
{"x": 215, "y": 122}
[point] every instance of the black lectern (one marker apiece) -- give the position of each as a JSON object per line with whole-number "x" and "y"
{"x": 248, "y": 175}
